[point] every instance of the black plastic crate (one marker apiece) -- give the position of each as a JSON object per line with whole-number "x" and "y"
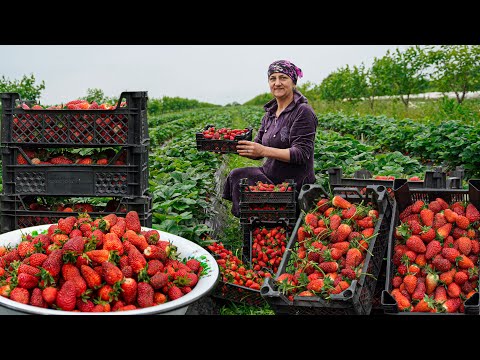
{"x": 15, "y": 212}
{"x": 405, "y": 196}
{"x": 220, "y": 146}
{"x": 434, "y": 179}
{"x": 267, "y": 197}
{"x": 238, "y": 294}
{"x": 279, "y": 211}
{"x": 359, "y": 297}
{"x": 130, "y": 179}
{"x": 125, "y": 125}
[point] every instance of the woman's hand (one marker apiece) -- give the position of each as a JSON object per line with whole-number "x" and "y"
{"x": 250, "y": 149}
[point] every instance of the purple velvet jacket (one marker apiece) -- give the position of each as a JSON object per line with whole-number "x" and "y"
{"x": 295, "y": 129}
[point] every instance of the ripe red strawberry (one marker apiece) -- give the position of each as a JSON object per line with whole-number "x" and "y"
{"x": 447, "y": 277}
{"x": 92, "y": 278}
{"x": 417, "y": 206}
{"x": 174, "y": 293}
{"x": 329, "y": 266}
{"x": 193, "y": 264}
{"x": 450, "y": 254}
{"x": 159, "y": 280}
{"x": 137, "y": 240}
{"x": 53, "y": 264}
{"x": 193, "y": 279}
{"x": 25, "y": 248}
{"x": 464, "y": 262}
{"x": 144, "y": 295}
{"x": 420, "y": 289}
{"x": 441, "y": 264}
{"x": 458, "y": 233}
{"x": 416, "y": 244}
{"x": 49, "y": 294}
{"x": 27, "y": 281}
{"x": 111, "y": 273}
{"x": 460, "y": 277}
{"x": 340, "y": 202}
{"x": 433, "y": 248}
{"x": 427, "y": 234}
{"x": 28, "y": 269}
{"x": 69, "y": 271}
{"x": 133, "y": 221}
{"x": 410, "y": 282}
{"x": 152, "y": 237}
{"x": 472, "y": 213}
{"x": 119, "y": 228}
{"x": 442, "y": 203}
{"x": 454, "y": 290}
{"x": 458, "y": 208}
{"x": 66, "y": 224}
{"x": 20, "y": 295}
{"x": 66, "y": 296}
{"x": 451, "y": 305}
{"x": 127, "y": 271}
{"x": 440, "y": 294}
{"x": 444, "y": 231}
{"x": 136, "y": 260}
{"x": 98, "y": 256}
{"x": 426, "y": 304}
{"x": 464, "y": 245}
{"x": 427, "y": 217}
{"x": 85, "y": 305}
{"x": 36, "y": 299}
{"x": 108, "y": 221}
{"x": 335, "y": 221}
{"x": 435, "y": 206}
{"x": 353, "y": 258}
{"x": 112, "y": 242}
{"x": 154, "y": 266}
{"x": 129, "y": 287}
{"x": 61, "y": 160}
{"x": 343, "y": 232}
{"x": 431, "y": 281}
{"x": 475, "y": 247}
{"x": 462, "y": 222}
{"x": 439, "y": 220}
{"x": 311, "y": 220}
{"x": 75, "y": 245}
{"x": 350, "y": 212}
{"x": 403, "y": 303}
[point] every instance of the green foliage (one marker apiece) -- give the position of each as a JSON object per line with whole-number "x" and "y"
{"x": 170, "y": 104}
{"x": 456, "y": 69}
{"x": 261, "y": 99}
{"x": 26, "y": 87}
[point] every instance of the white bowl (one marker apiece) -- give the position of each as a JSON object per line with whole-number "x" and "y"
{"x": 185, "y": 248}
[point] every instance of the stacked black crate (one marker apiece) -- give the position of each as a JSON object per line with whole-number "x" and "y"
{"x": 118, "y": 184}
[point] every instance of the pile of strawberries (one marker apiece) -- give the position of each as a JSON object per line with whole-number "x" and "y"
{"x": 44, "y": 157}
{"x": 233, "y": 269}
{"x": 332, "y": 245}
{"x": 76, "y": 105}
{"x": 268, "y": 247}
{"x": 264, "y": 187}
{"x": 223, "y": 133}
{"x": 101, "y": 265}
{"x": 436, "y": 256}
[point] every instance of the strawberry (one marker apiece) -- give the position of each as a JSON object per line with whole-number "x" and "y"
{"x": 36, "y": 299}
{"x": 403, "y": 303}
{"x": 133, "y": 221}
{"x": 462, "y": 222}
{"x": 335, "y": 221}
{"x": 85, "y": 305}
{"x": 427, "y": 234}
{"x": 439, "y": 220}
{"x": 21, "y": 160}
{"x": 119, "y": 228}
{"x": 464, "y": 262}
{"x": 350, "y": 212}
{"x": 20, "y": 295}
{"x": 27, "y": 281}
{"x": 458, "y": 208}
{"x": 69, "y": 271}
{"x": 441, "y": 264}
{"x": 136, "y": 260}
{"x": 153, "y": 267}
{"x": 28, "y": 269}
{"x": 475, "y": 247}
{"x": 80, "y": 285}
{"x": 98, "y": 256}
{"x": 340, "y": 202}
{"x": 127, "y": 271}
{"x": 435, "y": 206}
{"x": 66, "y": 296}
{"x": 410, "y": 282}
{"x": 129, "y": 288}
{"x": 447, "y": 277}
{"x": 193, "y": 279}
{"x": 61, "y": 160}
{"x": 450, "y": 254}
{"x": 427, "y": 217}
{"x": 442, "y": 203}
{"x": 353, "y": 258}
{"x": 112, "y": 242}
{"x": 53, "y": 264}
{"x": 453, "y": 290}
{"x": 193, "y": 264}
{"x": 417, "y": 206}
{"x": 342, "y": 232}
{"x": 472, "y": 213}
{"x": 444, "y": 230}
{"x": 431, "y": 281}
{"x": 458, "y": 233}
{"x": 426, "y": 304}
{"x": 152, "y": 237}
{"x": 311, "y": 220}
{"x": 49, "y": 294}
{"x": 451, "y": 305}
{"x": 416, "y": 244}
{"x": 329, "y": 266}
{"x": 464, "y": 245}
{"x": 92, "y": 278}
{"x": 145, "y": 294}
{"x": 159, "y": 280}
{"x": 460, "y": 277}
{"x": 87, "y": 160}
{"x": 440, "y": 294}
{"x": 25, "y": 248}
{"x": 108, "y": 221}
{"x": 174, "y": 293}
{"x": 74, "y": 245}
{"x": 111, "y": 273}
{"x": 420, "y": 288}
{"x": 137, "y": 240}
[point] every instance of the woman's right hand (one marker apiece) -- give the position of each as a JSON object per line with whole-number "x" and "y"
{"x": 250, "y": 149}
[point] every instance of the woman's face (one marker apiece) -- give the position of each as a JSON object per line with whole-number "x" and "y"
{"x": 281, "y": 85}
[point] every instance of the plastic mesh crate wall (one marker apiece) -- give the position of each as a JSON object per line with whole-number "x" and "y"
{"x": 77, "y": 180}
{"x": 220, "y": 146}
{"x": 122, "y": 126}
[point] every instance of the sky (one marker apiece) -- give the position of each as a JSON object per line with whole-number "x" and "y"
{"x": 217, "y": 74}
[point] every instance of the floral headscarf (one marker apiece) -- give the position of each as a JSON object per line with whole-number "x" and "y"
{"x": 285, "y": 67}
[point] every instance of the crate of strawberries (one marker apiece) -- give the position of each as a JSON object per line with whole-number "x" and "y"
{"x": 264, "y": 193}
{"x": 221, "y": 140}
{"x": 433, "y": 252}
{"x": 334, "y": 256}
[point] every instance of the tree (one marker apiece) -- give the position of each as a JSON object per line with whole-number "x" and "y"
{"x": 26, "y": 87}
{"x": 456, "y": 68}
{"x": 95, "y": 94}
{"x": 332, "y": 87}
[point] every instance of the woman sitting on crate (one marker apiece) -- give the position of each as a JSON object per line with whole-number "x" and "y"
{"x": 286, "y": 137}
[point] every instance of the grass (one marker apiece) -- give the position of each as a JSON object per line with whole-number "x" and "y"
{"x": 241, "y": 309}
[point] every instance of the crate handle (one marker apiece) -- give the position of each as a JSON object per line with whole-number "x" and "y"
{"x": 349, "y": 189}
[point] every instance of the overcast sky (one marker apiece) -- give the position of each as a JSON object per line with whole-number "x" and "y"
{"x": 218, "y": 74}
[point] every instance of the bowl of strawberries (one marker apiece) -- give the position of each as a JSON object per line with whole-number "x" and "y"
{"x": 108, "y": 265}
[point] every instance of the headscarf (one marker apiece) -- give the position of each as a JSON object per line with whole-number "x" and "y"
{"x": 285, "y": 67}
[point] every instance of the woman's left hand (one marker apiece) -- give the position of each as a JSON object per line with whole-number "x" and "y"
{"x": 250, "y": 149}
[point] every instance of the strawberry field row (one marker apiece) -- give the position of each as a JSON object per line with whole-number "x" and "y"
{"x": 451, "y": 143}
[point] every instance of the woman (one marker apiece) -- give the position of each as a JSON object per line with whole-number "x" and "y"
{"x": 286, "y": 137}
